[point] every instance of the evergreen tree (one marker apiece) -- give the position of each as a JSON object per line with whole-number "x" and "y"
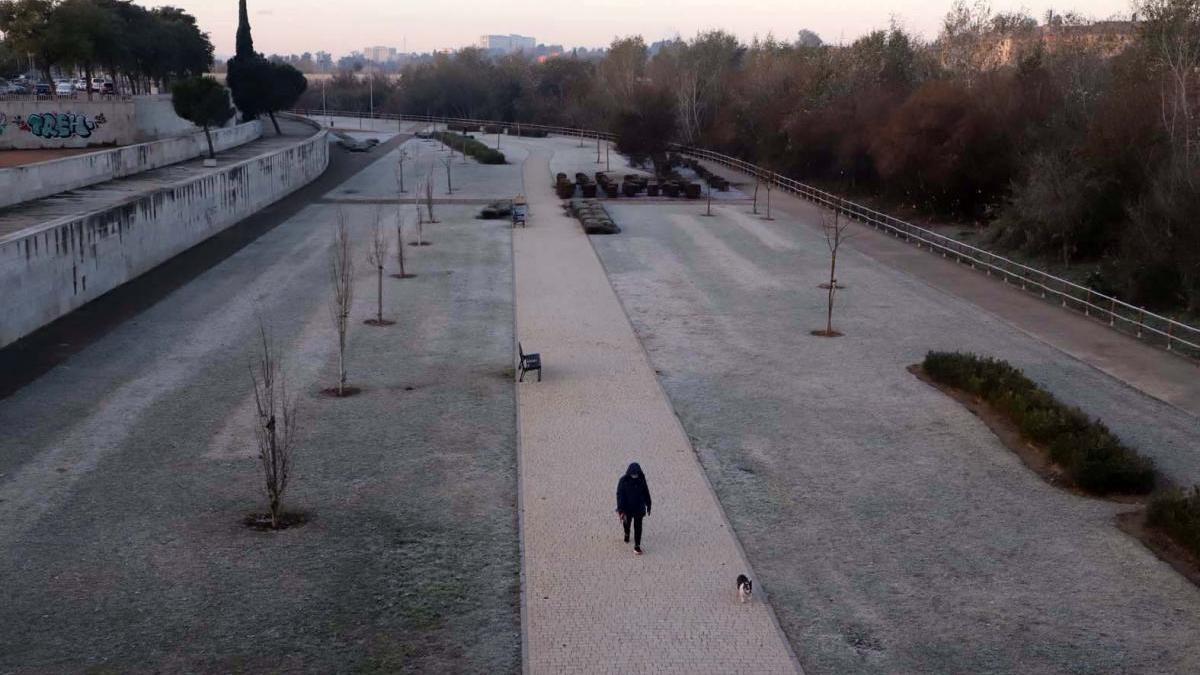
{"x": 204, "y": 102}
{"x": 245, "y": 42}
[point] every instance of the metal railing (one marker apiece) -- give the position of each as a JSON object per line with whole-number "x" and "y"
{"x": 1175, "y": 336}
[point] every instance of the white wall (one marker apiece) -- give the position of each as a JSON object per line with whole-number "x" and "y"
{"x": 66, "y": 123}
{"x": 48, "y": 271}
{"x": 154, "y": 117}
{"x": 34, "y": 181}
{"x": 80, "y": 123}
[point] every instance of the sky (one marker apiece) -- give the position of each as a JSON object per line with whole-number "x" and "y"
{"x": 343, "y": 26}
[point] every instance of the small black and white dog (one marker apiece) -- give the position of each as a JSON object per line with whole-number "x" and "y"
{"x": 744, "y": 587}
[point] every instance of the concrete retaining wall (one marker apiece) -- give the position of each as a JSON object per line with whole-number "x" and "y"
{"x": 34, "y": 181}
{"x": 66, "y": 123}
{"x": 80, "y": 123}
{"x": 154, "y": 117}
{"x": 54, "y": 269}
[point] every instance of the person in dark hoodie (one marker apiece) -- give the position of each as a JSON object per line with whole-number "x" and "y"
{"x": 633, "y": 503}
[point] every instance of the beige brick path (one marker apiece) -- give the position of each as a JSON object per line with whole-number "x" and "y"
{"x": 591, "y": 606}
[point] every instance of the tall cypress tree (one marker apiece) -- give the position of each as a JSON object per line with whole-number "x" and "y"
{"x": 245, "y": 43}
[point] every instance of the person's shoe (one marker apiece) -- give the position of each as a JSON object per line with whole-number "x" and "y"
{"x": 637, "y": 550}
{"x": 626, "y": 539}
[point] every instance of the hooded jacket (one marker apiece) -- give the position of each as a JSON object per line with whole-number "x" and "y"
{"x": 633, "y": 495}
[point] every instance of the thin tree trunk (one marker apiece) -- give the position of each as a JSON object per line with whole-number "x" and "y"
{"x": 379, "y": 297}
{"x": 832, "y": 290}
{"x": 212, "y": 154}
{"x": 400, "y": 242}
{"x": 275, "y": 122}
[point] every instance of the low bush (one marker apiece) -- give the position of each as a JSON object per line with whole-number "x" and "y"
{"x": 1095, "y": 459}
{"x": 482, "y": 153}
{"x": 1177, "y": 514}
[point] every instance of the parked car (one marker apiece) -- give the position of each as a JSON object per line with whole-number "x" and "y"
{"x": 42, "y": 88}
{"x": 81, "y": 84}
{"x": 99, "y": 84}
{"x": 64, "y": 88}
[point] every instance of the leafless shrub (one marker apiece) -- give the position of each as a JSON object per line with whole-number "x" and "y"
{"x": 275, "y": 426}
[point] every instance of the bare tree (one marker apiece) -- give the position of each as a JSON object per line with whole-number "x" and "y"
{"x": 709, "y": 195}
{"x": 275, "y": 427}
{"x": 400, "y": 239}
{"x": 376, "y": 257}
{"x": 835, "y": 233}
{"x": 449, "y": 183}
{"x": 341, "y": 273}
{"x": 1171, "y": 29}
{"x": 429, "y": 201}
{"x": 757, "y": 182}
{"x": 768, "y": 185}
{"x": 420, "y": 216}
{"x": 400, "y": 169}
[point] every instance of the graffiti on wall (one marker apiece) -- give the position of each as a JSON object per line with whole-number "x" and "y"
{"x": 55, "y": 125}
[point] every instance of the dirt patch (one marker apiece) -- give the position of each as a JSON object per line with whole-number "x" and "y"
{"x": 826, "y": 333}
{"x": 379, "y": 323}
{"x": 402, "y": 276}
{"x": 287, "y": 520}
{"x": 346, "y": 392}
{"x": 1180, "y": 559}
{"x": 420, "y": 243}
{"x": 12, "y": 158}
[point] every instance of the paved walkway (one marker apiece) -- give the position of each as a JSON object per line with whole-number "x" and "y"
{"x": 1150, "y": 369}
{"x": 591, "y": 604}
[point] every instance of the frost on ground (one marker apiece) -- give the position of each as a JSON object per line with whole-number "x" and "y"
{"x": 129, "y": 468}
{"x": 890, "y": 528}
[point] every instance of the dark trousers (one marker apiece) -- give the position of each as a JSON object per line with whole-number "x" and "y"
{"x": 637, "y": 529}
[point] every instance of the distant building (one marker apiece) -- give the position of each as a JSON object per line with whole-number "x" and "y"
{"x": 507, "y": 44}
{"x": 1105, "y": 38}
{"x": 380, "y": 54}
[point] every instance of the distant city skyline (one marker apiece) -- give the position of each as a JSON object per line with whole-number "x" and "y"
{"x": 298, "y": 26}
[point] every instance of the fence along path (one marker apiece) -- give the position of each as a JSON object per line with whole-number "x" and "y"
{"x": 1162, "y": 331}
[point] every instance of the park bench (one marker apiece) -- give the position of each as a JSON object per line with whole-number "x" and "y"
{"x": 529, "y": 362}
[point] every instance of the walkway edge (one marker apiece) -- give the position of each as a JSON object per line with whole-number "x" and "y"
{"x": 737, "y": 540}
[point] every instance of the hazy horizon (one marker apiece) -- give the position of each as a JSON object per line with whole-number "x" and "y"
{"x": 298, "y": 26}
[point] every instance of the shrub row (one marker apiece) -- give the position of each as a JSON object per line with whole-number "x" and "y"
{"x": 1095, "y": 459}
{"x": 474, "y": 148}
{"x": 1177, "y": 514}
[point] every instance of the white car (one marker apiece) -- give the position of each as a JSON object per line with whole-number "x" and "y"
{"x": 64, "y": 88}
{"x": 81, "y": 84}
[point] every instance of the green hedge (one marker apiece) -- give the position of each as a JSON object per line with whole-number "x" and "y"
{"x": 1092, "y": 456}
{"x": 481, "y": 152}
{"x": 1177, "y": 513}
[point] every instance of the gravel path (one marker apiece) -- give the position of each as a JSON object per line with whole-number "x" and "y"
{"x": 591, "y": 604}
{"x": 894, "y": 530}
{"x": 125, "y": 472}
